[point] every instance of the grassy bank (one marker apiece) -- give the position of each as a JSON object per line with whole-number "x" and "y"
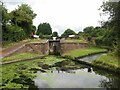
{"x": 21, "y": 74}
{"x": 7, "y": 44}
{"x": 19, "y": 56}
{"x": 83, "y": 52}
{"x": 37, "y": 40}
{"x": 75, "y": 41}
{"x": 108, "y": 62}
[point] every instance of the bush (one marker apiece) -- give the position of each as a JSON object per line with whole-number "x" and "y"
{"x": 13, "y": 33}
{"x": 98, "y": 41}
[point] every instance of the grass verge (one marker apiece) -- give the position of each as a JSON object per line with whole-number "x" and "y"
{"x": 108, "y": 62}
{"x": 19, "y": 56}
{"x": 83, "y": 52}
{"x": 75, "y": 41}
{"x": 37, "y": 40}
{"x": 7, "y": 44}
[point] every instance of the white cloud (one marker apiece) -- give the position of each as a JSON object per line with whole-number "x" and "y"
{"x": 63, "y": 14}
{"x": 68, "y": 13}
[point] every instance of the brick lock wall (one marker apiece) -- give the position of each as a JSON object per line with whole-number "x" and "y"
{"x": 43, "y": 48}
{"x": 65, "y": 47}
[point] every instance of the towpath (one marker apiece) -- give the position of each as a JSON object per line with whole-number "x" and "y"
{"x": 10, "y": 50}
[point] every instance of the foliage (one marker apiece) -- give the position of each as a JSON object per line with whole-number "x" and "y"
{"x": 19, "y": 75}
{"x": 44, "y": 29}
{"x": 17, "y": 25}
{"x": 14, "y": 77}
{"x": 27, "y": 9}
{"x": 105, "y": 36}
{"x": 13, "y": 33}
{"x": 5, "y": 18}
{"x": 68, "y": 32}
{"x": 51, "y": 60}
{"x": 33, "y": 28}
{"x": 5, "y": 15}
{"x": 23, "y": 18}
{"x": 81, "y": 35}
{"x": 80, "y": 32}
{"x": 113, "y": 10}
{"x": 54, "y": 34}
{"x": 88, "y": 30}
{"x": 108, "y": 33}
{"x": 110, "y": 8}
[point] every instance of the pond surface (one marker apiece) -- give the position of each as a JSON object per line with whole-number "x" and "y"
{"x": 80, "y": 78}
{"x": 86, "y": 77}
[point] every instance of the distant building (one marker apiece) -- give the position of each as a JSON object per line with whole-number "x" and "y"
{"x": 71, "y": 36}
{"x": 34, "y": 35}
{"x": 54, "y": 38}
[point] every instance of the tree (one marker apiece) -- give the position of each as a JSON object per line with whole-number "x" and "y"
{"x": 33, "y": 28}
{"x": 80, "y": 32}
{"x": 55, "y": 34}
{"x": 23, "y": 17}
{"x": 68, "y": 32}
{"x": 113, "y": 9}
{"x": 17, "y": 25}
{"x": 5, "y": 20}
{"x": 44, "y": 29}
{"x": 89, "y": 30}
{"x": 15, "y": 33}
{"x": 27, "y": 9}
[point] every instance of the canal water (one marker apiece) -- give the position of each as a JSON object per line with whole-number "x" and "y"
{"x": 87, "y": 77}
{"x": 91, "y": 57}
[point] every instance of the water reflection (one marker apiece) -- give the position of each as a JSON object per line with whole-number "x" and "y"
{"x": 62, "y": 76}
{"x": 89, "y": 69}
{"x": 112, "y": 82}
{"x": 63, "y": 69}
{"x": 81, "y": 78}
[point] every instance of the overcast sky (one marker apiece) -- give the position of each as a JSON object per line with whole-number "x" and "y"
{"x": 63, "y": 14}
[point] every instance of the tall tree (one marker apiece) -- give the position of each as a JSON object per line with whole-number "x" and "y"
{"x": 4, "y": 21}
{"x": 23, "y": 17}
{"x": 113, "y": 9}
{"x": 27, "y": 9}
{"x": 17, "y": 25}
{"x": 44, "y": 29}
{"x": 68, "y": 32}
{"x": 55, "y": 34}
{"x": 88, "y": 29}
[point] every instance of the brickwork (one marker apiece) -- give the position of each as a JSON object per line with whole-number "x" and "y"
{"x": 65, "y": 47}
{"x": 44, "y": 48}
